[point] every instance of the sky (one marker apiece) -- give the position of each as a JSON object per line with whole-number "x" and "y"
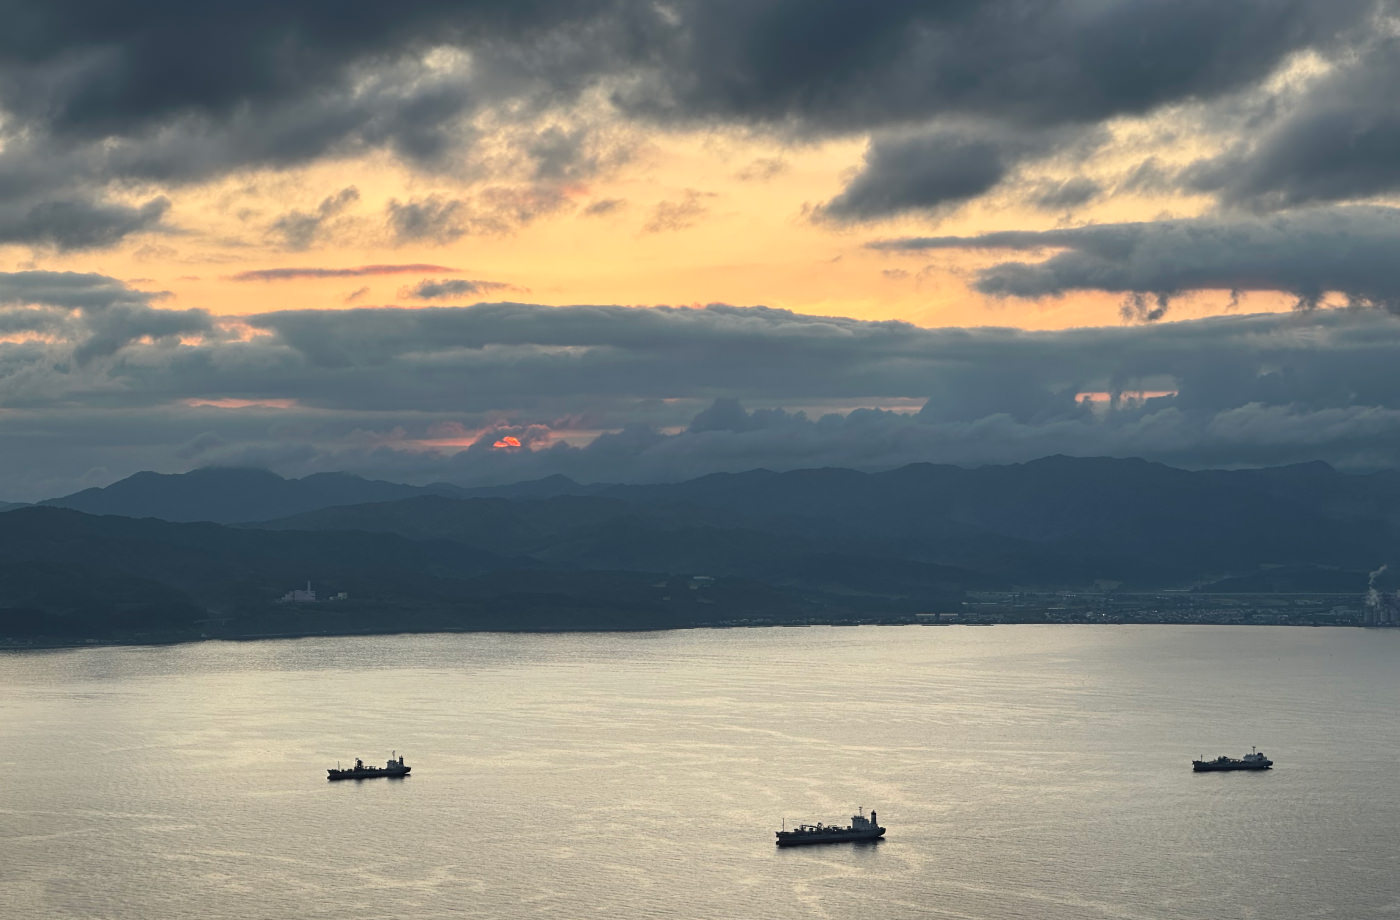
{"x": 482, "y": 242}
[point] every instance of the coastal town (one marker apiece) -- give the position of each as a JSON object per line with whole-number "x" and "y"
{"x": 1303, "y": 609}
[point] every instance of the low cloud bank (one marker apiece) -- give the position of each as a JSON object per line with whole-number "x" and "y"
{"x": 97, "y": 382}
{"x": 1346, "y": 250}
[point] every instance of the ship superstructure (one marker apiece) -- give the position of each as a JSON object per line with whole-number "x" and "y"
{"x": 1255, "y": 760}
{"x": 860, "y": 828}
{"x": 361, "y": 771}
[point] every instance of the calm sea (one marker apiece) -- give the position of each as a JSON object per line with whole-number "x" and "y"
{"x": 1026, "y": 772}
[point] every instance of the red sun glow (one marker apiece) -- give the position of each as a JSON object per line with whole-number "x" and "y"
{"x": 507, "y": 441}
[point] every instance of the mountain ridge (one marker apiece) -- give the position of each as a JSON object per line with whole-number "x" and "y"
{"x": 227, "y": 495}
{"x": 820, "y": 543}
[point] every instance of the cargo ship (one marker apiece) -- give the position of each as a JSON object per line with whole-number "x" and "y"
{"x": 861, "y": 828}
{"x": 360, "y": 771}
{"x": 1251, "y": 761}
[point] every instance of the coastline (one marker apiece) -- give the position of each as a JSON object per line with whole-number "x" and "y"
{"x": 59, "y": 643}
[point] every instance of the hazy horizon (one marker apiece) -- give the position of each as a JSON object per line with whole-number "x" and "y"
{"x": 468, "y": 484}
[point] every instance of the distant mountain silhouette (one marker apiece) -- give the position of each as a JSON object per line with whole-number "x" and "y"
{"x": 230, "y": 495}
{"x": 1060, "y": 521}
{"x": 597, "y": 533}
{"x": 1064, "y": 520}
{"x": 548, "y": 487}
{"x": 10, "y": 506}
{"x": 759, "y": 545}
{"x": 65, "y": 575}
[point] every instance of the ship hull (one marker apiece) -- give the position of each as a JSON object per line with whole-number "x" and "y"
{"x": 1210, "y": 767}
{"x": 365, "y": 774}
{"x": 790, "y": 839}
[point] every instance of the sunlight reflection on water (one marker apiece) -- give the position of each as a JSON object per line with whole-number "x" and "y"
{"x": 1023, "y": 771}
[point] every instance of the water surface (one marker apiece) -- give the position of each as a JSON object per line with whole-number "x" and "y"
{"x": 1023, "y": 771}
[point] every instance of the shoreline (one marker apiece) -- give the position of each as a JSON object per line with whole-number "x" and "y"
{"x": 8, "y": 644}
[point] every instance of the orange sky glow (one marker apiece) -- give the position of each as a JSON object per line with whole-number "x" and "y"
{"x": 655, "y": 240}
{"x": 699, "y": 219}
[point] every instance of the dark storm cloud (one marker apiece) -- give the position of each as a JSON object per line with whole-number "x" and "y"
{"x": 68, "y": 290}
{"x": 456, "y": 287}
{"x": 56, "y": 189}
{"x": 1349, "y": 250}
{"x": 359, "y": 385}
{"x": 944, "y": 166}
{"x": 489, "y": 355}
{"x": 1030, "y": 74}
{"x": 573, "y": 154}
{"x": 548, "y": 346}
{"x": 39, "y": 322}
{"x": 172, "y": 94}
{"x": 1338, "y": 139}
{"x": 76, "y": 223}
{"x": 976, "y": 391}
{"x": 85, "y": 72}
{"x": 920, "y": 172}
{"x": 840, "y": 66}
{"x": 108, "y": 331}
{"x": 81, "y": 71}
{"x": 406, "y": 109}
{"x": 92, "y": 315}
{"x": 724, "y": 414}
{"x": 288, "y": 274}
{"x": 1069, "y": 194}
